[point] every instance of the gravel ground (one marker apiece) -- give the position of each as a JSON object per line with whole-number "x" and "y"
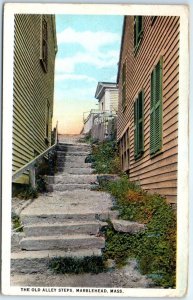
{"x": 126, "y": 277}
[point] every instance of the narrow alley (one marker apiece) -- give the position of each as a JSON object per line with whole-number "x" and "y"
{"x": 67, "y": 222}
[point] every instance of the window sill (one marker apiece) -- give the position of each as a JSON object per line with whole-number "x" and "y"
{"x": 137, "y": 157}
{"x": 156, "y": 154}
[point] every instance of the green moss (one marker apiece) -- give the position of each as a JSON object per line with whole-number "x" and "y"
{"x": 73, "y": 265}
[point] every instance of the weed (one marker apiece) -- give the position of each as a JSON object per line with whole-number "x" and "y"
{"x": 105, "y": 157}
{"x": 73, "y": 265}
{"x": 28, "y": 192}
{"x": 17, "y": 225}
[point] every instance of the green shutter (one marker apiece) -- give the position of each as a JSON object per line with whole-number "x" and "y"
{"x": 135, "y": 128}
{"x": 152, "y": 113}
{"x": 123, "y": 85}
{"x": 139, "y": 125}
{"x": 156, "y": 109}
{"x": 140, "y": 122}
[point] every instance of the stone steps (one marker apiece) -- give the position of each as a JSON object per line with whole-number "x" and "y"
{"x": 62, "y": 242}
{"x": 74, "y": 164}
{"x": 73, "y": 148}
{"x": 74, "y": 179}
{"x": 67, "y": 220}
{"x": 72, "y": 159}
{"x": 78, "y": 171}
{"x": 75, "y": 227}
{"x": 29, "y": 262}
{"x": 68, "y": 187}
{"x": 59, "y": 218}
{"x": 63, "y": 154}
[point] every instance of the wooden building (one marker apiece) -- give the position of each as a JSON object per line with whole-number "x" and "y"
{"x": 107, "y": 96}
{"x": 35, "y": 49}
{"x": 100, "y": 123}
{"x": 147, "y": 125}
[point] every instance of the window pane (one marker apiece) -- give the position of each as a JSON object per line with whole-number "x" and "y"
{"x": 140, "y": 24}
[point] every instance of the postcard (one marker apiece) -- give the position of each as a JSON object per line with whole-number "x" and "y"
{"x": 95, "y": 150}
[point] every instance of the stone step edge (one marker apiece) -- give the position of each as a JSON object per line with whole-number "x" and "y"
{"x": 68, "y": 223}
{"x": 74, "y": 145}
{"x": 73, "y": 152}
{"x": 39, "y": 254}
{"x": 72, "y": 175}
{"x": 65, "y": 237}
{"x": 97, "y": 215}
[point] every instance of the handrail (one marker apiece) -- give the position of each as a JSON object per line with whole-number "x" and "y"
{"x": 31, "y": 164}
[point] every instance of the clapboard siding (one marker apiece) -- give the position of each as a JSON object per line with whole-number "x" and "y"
{"x": 114, "y": 100}
{"x": 160, "y": 39}
{"x": 32, "y": 88}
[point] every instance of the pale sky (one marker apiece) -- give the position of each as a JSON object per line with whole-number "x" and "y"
{"x": 88, "y": 52}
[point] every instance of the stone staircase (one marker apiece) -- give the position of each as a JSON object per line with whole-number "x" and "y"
{"x": 67, "y": 220}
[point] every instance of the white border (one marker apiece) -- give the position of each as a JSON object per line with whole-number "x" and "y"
{"x": 182, "y": 210}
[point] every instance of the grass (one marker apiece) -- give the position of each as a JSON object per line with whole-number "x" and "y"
{"x": 73, "y": 265}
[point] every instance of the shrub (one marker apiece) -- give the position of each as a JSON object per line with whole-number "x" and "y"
{"x": 105, "y": 157}
{"x": 28, "y": 192}
{"x": 155, "y": 248}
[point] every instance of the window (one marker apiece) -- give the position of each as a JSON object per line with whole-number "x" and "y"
{"x": 124, "y": 86}
{"x": 139, "y": 125}
{"x": 44, "y": 44}
{"x": 156, "y": 109}
{"x": 124, "y": 151}
{"x": 138, "y": 31}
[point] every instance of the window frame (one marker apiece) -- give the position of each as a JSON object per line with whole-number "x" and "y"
{"x": 156, "y": 109}
{"x": 139, "y": 123}
{"x": 44, "y": 44}
{"x": 138, "y": 34}
{"x": 124, "y": 144}
{"x": 153, "y": 19}
{"x": 123, "y": 86}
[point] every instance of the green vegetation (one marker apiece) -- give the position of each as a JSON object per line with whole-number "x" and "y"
{"x": 26, "y": 192}
{"x": 86, "y": 139}
{"x": 155, "y": 248}
{"x": 105, "y": 157}
{"x": 42, "y": 167}
{"x": 17, "y": 225}
{"x": 73, "y": 265}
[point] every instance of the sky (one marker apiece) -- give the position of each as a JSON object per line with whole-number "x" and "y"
{"x": 88, "y": 52}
